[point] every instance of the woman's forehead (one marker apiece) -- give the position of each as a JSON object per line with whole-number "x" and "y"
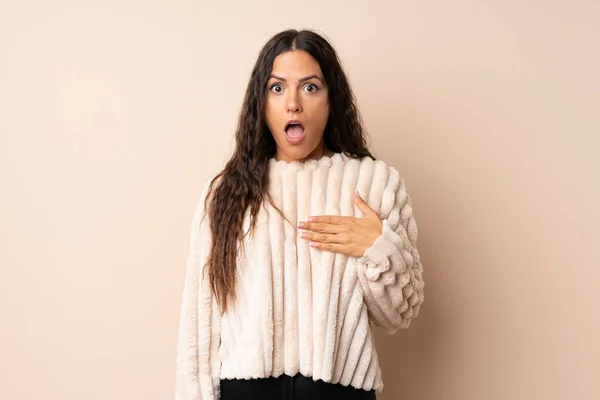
{"x": 295, "y": 64}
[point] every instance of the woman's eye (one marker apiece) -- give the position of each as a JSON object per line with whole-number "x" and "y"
{"x": 311, "y": 87}
{"x": 276, "y": 88}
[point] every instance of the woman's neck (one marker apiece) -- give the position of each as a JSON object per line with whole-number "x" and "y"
{"x": 318, "y": 153}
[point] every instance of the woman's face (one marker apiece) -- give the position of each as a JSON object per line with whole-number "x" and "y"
{"x": 297, "y": 106}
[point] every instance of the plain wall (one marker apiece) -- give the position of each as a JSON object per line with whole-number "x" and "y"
{"x": 114, "y": 113}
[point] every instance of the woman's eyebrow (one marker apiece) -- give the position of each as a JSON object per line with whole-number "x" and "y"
{"x": 299, "y": 80}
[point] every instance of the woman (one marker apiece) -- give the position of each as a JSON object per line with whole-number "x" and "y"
{"x": 298, "y": 245}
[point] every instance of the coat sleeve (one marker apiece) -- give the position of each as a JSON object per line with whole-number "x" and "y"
{"x": 197, "y": 365}
{"x": 390, "y": 271}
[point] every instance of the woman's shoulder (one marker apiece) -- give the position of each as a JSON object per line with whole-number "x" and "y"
{"x": 375, "y": 170}
{"x": 205, "y": 190}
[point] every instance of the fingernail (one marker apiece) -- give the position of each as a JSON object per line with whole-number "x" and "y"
{"x": 300, "y": 224}
{"x": 310, "y": 219}
{"x": 303, "y": 235}
{"x": 312, "y": 244}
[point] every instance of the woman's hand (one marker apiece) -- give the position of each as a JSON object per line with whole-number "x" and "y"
{"x": 346, "y": 235}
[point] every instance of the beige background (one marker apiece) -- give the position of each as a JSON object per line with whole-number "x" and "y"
{"x": 113, "y": 113}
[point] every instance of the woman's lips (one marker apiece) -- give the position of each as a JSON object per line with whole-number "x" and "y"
{"x": 295, "y": 134}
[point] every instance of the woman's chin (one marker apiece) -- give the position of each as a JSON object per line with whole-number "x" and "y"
{"x": 299, "y": 153}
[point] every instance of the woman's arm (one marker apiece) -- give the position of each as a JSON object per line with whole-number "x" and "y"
{"x": 196, "y": 367}
{"x": 390, "y": 271}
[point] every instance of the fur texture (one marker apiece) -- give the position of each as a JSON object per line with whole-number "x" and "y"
{"x": 299, "y": 309}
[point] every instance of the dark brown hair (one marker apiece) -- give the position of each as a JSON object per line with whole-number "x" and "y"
{"x": 243, "y": 183}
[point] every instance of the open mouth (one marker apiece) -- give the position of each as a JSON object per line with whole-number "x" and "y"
{"x": 294, "y": 131}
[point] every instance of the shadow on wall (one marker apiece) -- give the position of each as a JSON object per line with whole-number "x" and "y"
{"x": 410, "y": 355}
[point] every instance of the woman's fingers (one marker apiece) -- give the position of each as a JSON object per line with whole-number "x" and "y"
{"x": 332, "y": 247}
{"x": 362, "y": 205}
{"x": 323, "y": 227}
{"x": 325, "y": 237}
{"x": 346, "y": 235}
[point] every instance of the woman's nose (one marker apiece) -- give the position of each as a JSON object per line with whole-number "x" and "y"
{"x": 293, "y": 105}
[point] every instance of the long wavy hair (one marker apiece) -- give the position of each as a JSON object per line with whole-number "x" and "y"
{"x": 243, "y": 183}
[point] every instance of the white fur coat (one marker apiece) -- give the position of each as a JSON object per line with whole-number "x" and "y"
{"x": 300, "y": 309}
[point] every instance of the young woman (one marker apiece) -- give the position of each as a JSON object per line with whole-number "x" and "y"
{"x": 298, "y": 246}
